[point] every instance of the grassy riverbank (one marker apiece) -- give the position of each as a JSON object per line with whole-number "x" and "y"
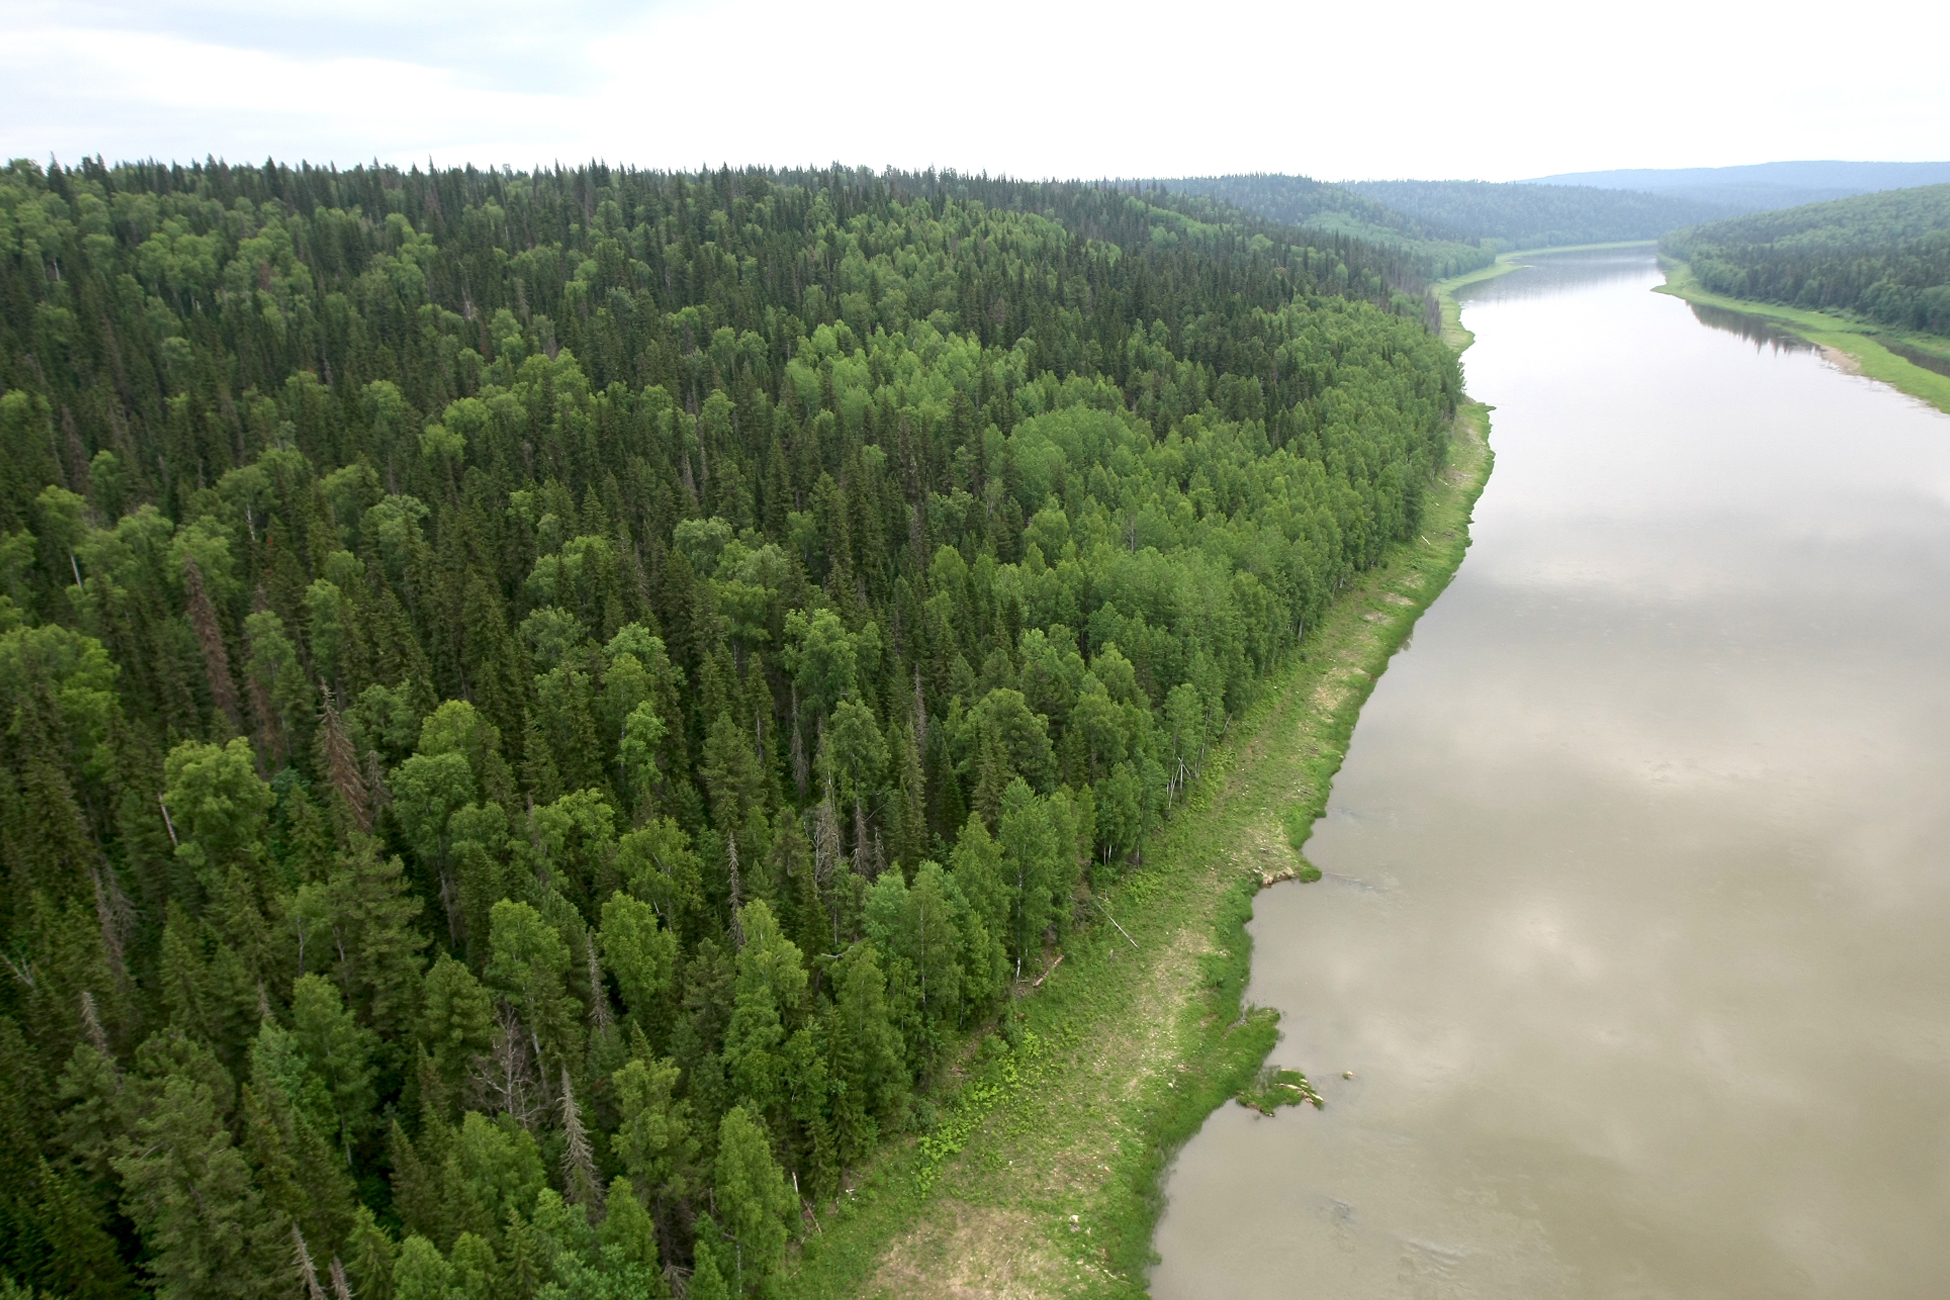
{"x": 1453, "y": 332}
{"x": 1043, "y": 1176}
{"x": 1872, "y": 350}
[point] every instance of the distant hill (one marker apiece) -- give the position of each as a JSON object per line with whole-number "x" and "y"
{"x": 1318, "y": 205}
{"x": 1885, "y": 256}
{"x": 1760, "y": 187}
{"x": 1515, "y": 216}
{"x": 1447, "y": 227}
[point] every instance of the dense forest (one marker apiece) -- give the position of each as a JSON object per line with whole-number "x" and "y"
{"x": 542, "y": 711}
{"x": 1446, "y": 228}
{"x": 1882, "y": 256}
{"x": 1513, "y": 216}
{"x": 1436, "y": 252}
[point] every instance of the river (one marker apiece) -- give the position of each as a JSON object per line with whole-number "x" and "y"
{"x": 1635, "y": 927}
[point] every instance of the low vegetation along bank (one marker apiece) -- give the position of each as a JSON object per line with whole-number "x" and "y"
{"x": 1043, "y": 1177}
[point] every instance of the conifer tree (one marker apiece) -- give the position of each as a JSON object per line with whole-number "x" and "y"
{"x": 707, "y": 1281}
{"x": 303, "y": 1177}
{"x": 339, "y": 1051}
{"x": 476, "y": 1271}
{"x": 209, "y": 637}
{"x": 754, "y": 1204}
{"x": 867, "y": 1055}
{"x": 189, "y": 1192}
{"x": 456, "y": 1020}
{"x": 580, "y": 1182}
{"x": 630, "y": 1236}
{"x": 770, "y": 988}
{"x": 655, "y": 1140}
{"x": 369, "y": 1257}
{"x": 420, "y": 1272}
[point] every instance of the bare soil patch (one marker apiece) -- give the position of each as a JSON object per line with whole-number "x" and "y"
{"x": 971, "y": 1252}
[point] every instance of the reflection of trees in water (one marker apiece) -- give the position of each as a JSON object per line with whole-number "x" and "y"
{"x": 1927, "y": 360}
{"x": 1547, "y": 274}
{"x": 1756, "y": 329}
{"x": 1764, "y": 333}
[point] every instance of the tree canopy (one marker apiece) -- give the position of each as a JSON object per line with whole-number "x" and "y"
{"x": 537, "y": 708}
{"x": 1514, "y": 215}
{"x": 1882, "y": 256}
{"x": 1435, "y": 246}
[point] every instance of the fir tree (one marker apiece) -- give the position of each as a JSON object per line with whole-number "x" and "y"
{"x": 189, "y": 1192}
{"x": 753, "y": 1201}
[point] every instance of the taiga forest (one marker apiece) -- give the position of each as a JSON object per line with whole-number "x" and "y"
{"x": 540, "y": 712}
{"x": 1884, "y": 257}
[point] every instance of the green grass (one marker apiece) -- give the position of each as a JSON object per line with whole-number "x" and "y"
{"x": 1274, "y": 1087}
{"x": 1453, "y": 332}
{"x": 1864, "y": 342}
{"x": 1299, "y": 826}
{"x": 1043, "y": 1172}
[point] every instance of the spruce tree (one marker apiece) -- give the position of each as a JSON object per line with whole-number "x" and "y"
{"x": 188, "y": 1191}
{"x": 754, "y": 1204}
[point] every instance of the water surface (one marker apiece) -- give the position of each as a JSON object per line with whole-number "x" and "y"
{"x": 1635, "y": 931}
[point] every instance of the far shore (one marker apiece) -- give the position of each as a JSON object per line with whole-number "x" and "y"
{"x": 1876, "y": 351}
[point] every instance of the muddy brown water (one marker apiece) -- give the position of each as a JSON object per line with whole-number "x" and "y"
{"x": 1635, "y": 930}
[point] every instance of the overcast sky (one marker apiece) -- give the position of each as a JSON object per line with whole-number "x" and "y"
{"x": 1496, "y": 90}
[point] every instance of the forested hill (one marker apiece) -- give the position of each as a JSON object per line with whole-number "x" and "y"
{"x": 1435, "y": 252}
{"x": 540, "y": 709}
{"x": 1513, "y": 216}
{"x": 1764, "y": 187}
{"x": 1884, "y": 256}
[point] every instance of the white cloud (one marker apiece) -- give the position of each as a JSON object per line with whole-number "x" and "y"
{"x": 1031, "y": 87}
